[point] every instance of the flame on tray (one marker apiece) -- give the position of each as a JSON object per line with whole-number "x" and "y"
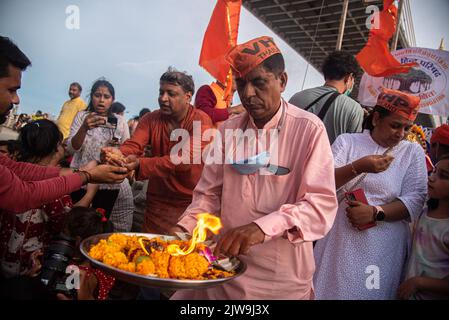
{"x": 205, "y": 222}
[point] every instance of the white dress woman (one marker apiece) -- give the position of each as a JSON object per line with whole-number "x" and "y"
{"x": 369, "y": 264}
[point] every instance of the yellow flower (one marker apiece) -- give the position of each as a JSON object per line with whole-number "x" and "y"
{"x": 115, "y": 258}
{"x": 145, "y": 267}
{"x": 131, "y": 267}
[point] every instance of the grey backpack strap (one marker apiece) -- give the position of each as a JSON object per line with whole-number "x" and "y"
{"x": 327, "y": 104}
{"x": 316, "y": 100}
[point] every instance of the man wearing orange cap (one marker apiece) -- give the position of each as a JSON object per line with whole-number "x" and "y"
{"x": 277, "y": 199}
{"x": 439, "y": 142}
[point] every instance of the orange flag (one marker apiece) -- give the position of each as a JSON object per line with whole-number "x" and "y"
{"x": 375, "y": 58}
{"x": 220, "y": 37}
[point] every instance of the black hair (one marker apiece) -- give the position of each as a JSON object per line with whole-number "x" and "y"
{"x": 368, "y": 122}
{"x": 339, "y": 64}
{"x": 76, "y": 84}
{"x": 97, "y": 84}
{"x": 11, "y": 54}
{"x": 13, "y": 146}
{"x": 85, "y": 222}
{"x": 443, "y": 150}
{"x": 38, "y": 139}
{"x": 274, "y": 64}
{"x": 143, "y": 112}
{"x": 182, "y": 79}
{"x": 117, "y": 107}
{"x": 432, "y": 204}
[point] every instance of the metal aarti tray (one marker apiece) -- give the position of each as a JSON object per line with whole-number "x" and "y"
{"x": 149, "y": 281}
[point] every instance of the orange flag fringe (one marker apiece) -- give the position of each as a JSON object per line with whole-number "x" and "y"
{"x": 220, "y": 37}
{"x": 375, "y": 58}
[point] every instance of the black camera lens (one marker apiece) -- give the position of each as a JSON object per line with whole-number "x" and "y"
{"x": 56, "y": 259}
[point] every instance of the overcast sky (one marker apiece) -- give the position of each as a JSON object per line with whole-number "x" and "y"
{"x": 131, "y": 43}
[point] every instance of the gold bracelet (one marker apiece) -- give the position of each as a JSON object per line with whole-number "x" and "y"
{"x": 353, "y": 169}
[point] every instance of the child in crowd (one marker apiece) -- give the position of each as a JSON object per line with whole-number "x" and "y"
{"x": 25, "y": 235}
{"x": 428, "y": 267}
{"x": 10, "y": 148}
{"x": 82, "y": 223}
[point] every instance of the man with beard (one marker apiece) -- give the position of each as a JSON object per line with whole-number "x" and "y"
{"x": 170, "y": 185}
{"x": 270, "y": 219}
{"x": 24, "y": 186}
{"x": 70, "y": 108}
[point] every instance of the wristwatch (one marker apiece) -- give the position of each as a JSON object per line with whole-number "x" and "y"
{"x": 379, "y": 214}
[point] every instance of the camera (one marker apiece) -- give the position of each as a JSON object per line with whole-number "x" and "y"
{"x": 112, "y": 121}
{"x": 56, "y": 259}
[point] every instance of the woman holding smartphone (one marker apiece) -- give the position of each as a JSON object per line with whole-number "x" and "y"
{"x": 94, "y": 129}
{"x": 363, "y": 255}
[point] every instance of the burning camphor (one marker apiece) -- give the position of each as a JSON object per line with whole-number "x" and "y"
{"x": 205, "y": 222}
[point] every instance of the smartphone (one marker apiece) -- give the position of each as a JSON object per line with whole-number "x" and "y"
{"x": 111, "y": 122}
{"x": 359, "y": 195}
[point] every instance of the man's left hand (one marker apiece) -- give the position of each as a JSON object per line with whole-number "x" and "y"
{"x": 238, "y": 240}
{"x": 132, "y": 163}
{"x": 359, "y": 213}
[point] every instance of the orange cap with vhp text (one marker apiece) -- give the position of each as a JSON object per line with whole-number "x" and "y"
{"x": 246, "y": 56}
{"x": 400, "y": 103}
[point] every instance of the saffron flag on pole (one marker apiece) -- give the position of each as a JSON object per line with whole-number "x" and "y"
{"x": 220, "y": 37}
{"x": 375, "y": 58}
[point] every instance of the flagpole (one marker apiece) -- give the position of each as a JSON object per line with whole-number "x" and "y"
{"x": 342, "y": 25}
{"x": 227, "y": 92}
{"x": 398, "y": 26}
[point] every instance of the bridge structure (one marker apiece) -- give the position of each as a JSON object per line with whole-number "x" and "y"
{"x": 315, "y": 28}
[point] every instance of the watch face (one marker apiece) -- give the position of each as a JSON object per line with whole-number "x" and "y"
{"x": 380, "y": 216}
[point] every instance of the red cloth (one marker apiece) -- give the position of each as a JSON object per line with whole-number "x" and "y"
{"x": 24, "y": 186}
{"x": 441, "y": 135}
{"x": 206, "y": 101}
{"x": 105, "y": 281}
{"x": 170, "y": 186}
{"x": 220, "y": 37}
{"x": 375, "y": 58}
{"x": 22, "y": 234}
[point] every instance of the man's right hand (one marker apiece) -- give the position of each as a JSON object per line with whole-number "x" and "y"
{"x": 176, "y": 229}
{"x": 105, "y": 173}
{"x": 373, "y": 163}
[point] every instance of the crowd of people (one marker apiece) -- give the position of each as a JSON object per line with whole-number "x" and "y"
{"x": 338, "y": 191}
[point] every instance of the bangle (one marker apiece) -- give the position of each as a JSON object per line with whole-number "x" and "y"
{"x": 353, "y": 169}
{"x": 86, "y": 175}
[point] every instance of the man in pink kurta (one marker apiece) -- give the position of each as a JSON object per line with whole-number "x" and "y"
{"x": 269, "y": 221}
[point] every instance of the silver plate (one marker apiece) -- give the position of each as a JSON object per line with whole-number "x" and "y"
{"x": 148, "y": 281}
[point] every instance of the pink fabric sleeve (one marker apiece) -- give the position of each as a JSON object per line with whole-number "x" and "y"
{"x": 313, "y": 214}
{"x": 28, "y": 171}
{"x": 17, "y": 195}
